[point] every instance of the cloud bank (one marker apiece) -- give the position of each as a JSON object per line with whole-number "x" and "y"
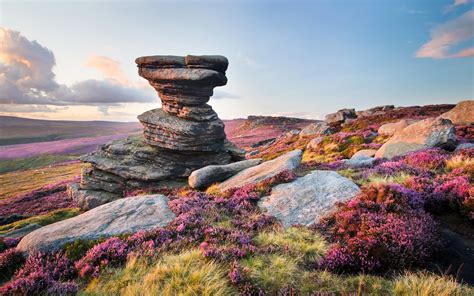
{"x": 447, "y": 35}
{"x": 27, "y": 78}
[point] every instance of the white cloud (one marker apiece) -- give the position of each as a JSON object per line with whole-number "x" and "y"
{"x": 27, "y": 77}
{"x": 30, "y": 109}
{"x": 447, "y": 35}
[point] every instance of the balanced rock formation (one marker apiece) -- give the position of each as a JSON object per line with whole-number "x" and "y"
{"x": 308, "y": 198}
{"x": 462, "y": 114}
{"x": 179, "y": 138}
{"x": 261, "y": 172}
{"x": 430, "y": 132}
{"x": 127, "y": 215}
{"x": 206, "y": 176}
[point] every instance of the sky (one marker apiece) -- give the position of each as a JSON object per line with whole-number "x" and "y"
{"x": 74, "y": 60}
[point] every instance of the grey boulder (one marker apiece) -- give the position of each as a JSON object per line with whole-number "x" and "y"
{"x": 266, "y": 170}
{"x": 389, "y": 129}
{"x": 430, "y": 132}
{"x": 317, "y": 128}
{"x": 126, "y": 215}
{"x": 203, "y": 178}
{"x": 307, "y": 199}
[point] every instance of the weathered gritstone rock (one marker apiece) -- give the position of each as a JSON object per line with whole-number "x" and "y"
{"x": 126, "y": 215}
{"x": 430, "y": 132}
{"x": 341, "y": 116}
{"x": 261, "y": 172}
{"x": 462, "y": 113}
{"x": 389, "y": 129}
{"x": 209, "y": 175}
{"x": 181, "y": 137}
{"x": 317, "y": 128}
{"x": 307, "y": 199}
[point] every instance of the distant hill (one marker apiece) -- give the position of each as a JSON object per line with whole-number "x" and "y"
{"x": 16, "y": 130}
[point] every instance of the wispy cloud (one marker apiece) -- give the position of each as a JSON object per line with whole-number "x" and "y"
{"x": 447, "y": 35}
{"x": 27, "y": 77}
{"x": 110, "y": 68}
{"x": 29, "y": 109}
{"x": 248, "y": 61}
{"x": 455, "y": 4}
{"x": 220, "y": 94}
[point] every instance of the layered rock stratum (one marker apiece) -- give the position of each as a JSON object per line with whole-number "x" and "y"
{"x": 185, "y": 134}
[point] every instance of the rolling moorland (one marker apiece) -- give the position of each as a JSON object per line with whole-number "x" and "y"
{"x": 407, "y": 231}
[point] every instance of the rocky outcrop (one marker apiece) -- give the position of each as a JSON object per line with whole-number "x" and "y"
{"x": 209, "y": 175}
{"x": 261, "y": 172}
{"x": 462, "y": 114}
{"x": 430, "y": 132}
{"x": 315, "y": 143}
{"x": 389, "y": 129}
{"x": 364, "y": 153}
{"x": 308, "y": 198}
{"x": 317, "y": 128}
{"x": 182, "y": 136}
{"x": 126, "y": 215}
{"x": 379, "y": 110}
{"x": 341, "y": 116}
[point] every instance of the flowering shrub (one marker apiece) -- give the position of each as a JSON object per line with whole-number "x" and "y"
{"x": 385, "y": 227}
{"x": 428, "y": 159}
{"x": 10, "y": 261}
{"x": 43, "y": 274}
{"x": 8, "y": 242}
{"x": 111, "y": 252}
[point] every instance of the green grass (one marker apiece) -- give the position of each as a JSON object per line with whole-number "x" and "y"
{"x": 15, "y": 183}
{"x": 425, "y": 284}
{"x": 298, "y": 243}
{"x": 17, "y": 164}
{"x": 42, "y": 220}
{"x": 399, "y": 178}
{"x": 188, "y": 273}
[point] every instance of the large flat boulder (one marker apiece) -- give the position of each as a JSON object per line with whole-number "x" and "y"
{"x": 389, "y": 129}
{"x": 307, "y": 199}
{"x": 461, "y": 114}
{"x": 266, "y": 170}
{"x": 211, "y": 174}
{"x": 126, "y": 215}
{"x": 430, "y": 132}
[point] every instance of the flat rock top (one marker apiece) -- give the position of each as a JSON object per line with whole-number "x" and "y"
{"x": 307, "y": 199}
{"x": 125, "y": 215}
{"x": 214, "y": 62}
{"x": 268, "y": 169}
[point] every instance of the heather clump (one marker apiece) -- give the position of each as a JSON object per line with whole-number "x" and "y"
{"x": 428, "y": 159}
{"x": 111, "y": 252}
{"x": 43, "y": 273}
{"x": 10, "y": 261}
{"x": 384, "y": 228}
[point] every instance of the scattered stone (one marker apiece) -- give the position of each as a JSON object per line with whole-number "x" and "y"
{"x": 317, "y": 128}
{"x": 430, "y": 132}
{"x": 292, "y": 133}
{"x": 263, "y": 143}
{"x": 379, "y": 110}
{"x": 360, "y": 161}
{"x": 340, "y": 116}
{"x": 461, "y": 114}
{"x": 87, "y": 199}
{"x": 314, "y": 143}
{"x": 21, "y": 231}
{"x": 389, "y": 129}
{"x": 307, "y": 199}
{"x": 253, "y": 153}
{"x": 364, "y": 152}
{"x": 209, "y": 175}
{"x": 236, "y": 153}
{"x": 464, "y": 146}
{"x": 266, "y": 170}
{"x": 126, "y": 215}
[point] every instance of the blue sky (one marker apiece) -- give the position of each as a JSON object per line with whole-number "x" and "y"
{"x": 295, "y": 58}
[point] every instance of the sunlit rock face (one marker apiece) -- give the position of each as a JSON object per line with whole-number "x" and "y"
{"x": 184, "y": 84}
{"x": 182, "y": 136}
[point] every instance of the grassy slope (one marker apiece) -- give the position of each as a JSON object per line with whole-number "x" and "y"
{"x": 15, "y": 183}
